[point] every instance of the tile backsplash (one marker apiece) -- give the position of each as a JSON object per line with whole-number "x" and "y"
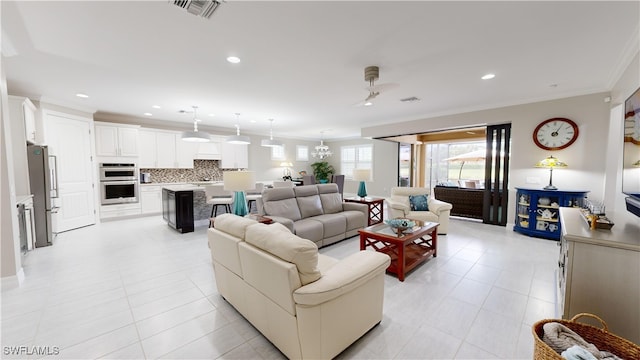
{"x": 203, "y": 170}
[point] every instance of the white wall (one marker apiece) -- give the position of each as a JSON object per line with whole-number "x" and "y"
{"x": 10, "y": 258}
{"x": 586, "y": 157}
{"x": 385, "y": 166}
{"x": 267, "y": 169}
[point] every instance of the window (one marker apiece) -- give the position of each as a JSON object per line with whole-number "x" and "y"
{"x": 277, "y": 153}
{"x": 451, "y": 163}
{"x": 302, "y": 153}
{"x": 355, "y": 157}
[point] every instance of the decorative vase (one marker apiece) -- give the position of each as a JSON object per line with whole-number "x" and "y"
{"x": 362, "y": 189}
{"x": 323, "y": 181}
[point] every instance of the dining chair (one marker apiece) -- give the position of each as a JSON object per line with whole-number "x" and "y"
{"x": 253, "y": 195}
{"x": 218, "y": 196}
{"x": 308, "y": 180}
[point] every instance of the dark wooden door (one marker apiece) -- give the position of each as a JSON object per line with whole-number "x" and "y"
{"x": 494, "y": 209}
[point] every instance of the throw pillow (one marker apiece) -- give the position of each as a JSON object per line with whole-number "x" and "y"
{"x": 418, "y": 202}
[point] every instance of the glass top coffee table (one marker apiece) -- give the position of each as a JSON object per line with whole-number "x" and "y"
{"x": 407, "y": 251}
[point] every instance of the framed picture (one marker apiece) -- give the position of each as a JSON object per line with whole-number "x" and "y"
{"x": 302, "y": 153}
{"x": 277, "y": 153}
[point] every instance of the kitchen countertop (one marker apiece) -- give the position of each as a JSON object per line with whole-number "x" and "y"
{"x": 183, "y": 187}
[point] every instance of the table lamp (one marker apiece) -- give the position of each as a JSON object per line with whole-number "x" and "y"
{"x": 551, "y": 162}
{"x": 362, "y": 175}
{"x": 239, "y": 181}
{"x": 286, "y": 171}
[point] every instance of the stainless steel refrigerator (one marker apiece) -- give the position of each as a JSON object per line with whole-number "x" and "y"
{"x": 44, "y": 187}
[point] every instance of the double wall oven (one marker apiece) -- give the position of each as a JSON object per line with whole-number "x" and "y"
{"x": 118, "y": 183}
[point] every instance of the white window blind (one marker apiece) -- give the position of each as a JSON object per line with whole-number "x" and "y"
{"x": 355, "y": 157}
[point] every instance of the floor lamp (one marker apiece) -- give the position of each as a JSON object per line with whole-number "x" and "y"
{"x": 362, "y": 175}
{"x": 239, "y": 181}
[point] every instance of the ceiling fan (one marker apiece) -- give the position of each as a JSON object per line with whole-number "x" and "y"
{"x": 371, "y": 74}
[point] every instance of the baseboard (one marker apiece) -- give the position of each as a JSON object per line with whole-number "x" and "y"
{"x": 12, "y": 282}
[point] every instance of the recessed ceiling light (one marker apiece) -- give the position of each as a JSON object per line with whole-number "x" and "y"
{"x": 368, "y": 103}
{"x": 156, "y": 106}
{"x": 488, "y": 76}
{"x": 233, "y": 59}
{"x": 212, "y": 115}
{"x": 148, "y": 114}
{"x": 81, "y": 95}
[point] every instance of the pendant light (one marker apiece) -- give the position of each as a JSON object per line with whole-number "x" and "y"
{"x": 237, "y": 138}
{"x": 195, "y": 135}
{"x": 270, "y": 142}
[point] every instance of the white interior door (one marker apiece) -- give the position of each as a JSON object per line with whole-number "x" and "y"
{"x": 69, "y": 139}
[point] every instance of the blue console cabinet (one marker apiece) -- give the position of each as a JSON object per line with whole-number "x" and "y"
{"x": 538, "y": 211}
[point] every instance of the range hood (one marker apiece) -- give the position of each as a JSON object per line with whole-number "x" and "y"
{"x": 208, "y": 151}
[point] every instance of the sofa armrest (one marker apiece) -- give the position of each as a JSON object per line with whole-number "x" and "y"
{"x": 363, "y": 208}
{"x": 282, "y": 220}
{"x": 436, "y": 206}
{"x": 396, "y": 205}
{"x": 348, "y": 274}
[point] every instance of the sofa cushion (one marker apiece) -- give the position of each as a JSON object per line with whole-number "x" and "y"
{"x": 355, "y": 219}
{"x": 309, "y": 206}
{"x": 419, "y": 202}
{"x": 287, "y": 208}
{"x": 233, "y": 224}
{"x": 333, "y": 224}
{"x": 331, "y": 203}
{"x": 309, "y": 229}
{"x": 277, "y": 240}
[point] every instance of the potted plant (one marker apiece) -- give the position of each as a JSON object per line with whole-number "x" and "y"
{"x": 322, "y": 170}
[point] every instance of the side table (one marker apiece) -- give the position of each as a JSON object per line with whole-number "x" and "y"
{"x": 375, "y": 204}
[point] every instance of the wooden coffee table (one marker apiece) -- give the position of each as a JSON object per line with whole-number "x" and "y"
{"x": 406, "y": 251}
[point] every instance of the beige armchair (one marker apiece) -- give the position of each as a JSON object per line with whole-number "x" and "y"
{"x": 400, "y": 207}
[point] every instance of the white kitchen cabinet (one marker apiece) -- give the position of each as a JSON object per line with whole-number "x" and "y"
{"x": 234, "y": 156}
{"x": 18, "y": 149}
{"x": 151, "y": 199}
{"x": 116, "y": 140}
{"x": 147, "y": 158}
{"x": 185, "y": 152}
{"x": 22, "y": 110}
{"x": 119, "y": 210}
{"x": 165, "y": 150}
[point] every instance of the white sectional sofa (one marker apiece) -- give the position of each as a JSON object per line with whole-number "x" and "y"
{"x": 310, "y": 306}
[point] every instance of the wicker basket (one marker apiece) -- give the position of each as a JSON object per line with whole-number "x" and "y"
{"x": 601, "y": 338}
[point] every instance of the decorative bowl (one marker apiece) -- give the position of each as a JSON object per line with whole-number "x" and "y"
{"x": 399, "y": 226}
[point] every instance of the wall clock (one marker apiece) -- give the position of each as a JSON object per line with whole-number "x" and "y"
{"x": 555, "y": 134}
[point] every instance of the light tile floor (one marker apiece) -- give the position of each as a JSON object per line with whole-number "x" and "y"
{"x": 135, "y": 289}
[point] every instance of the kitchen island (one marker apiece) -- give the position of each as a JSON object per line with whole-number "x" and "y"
{"x": 183, "y": 205}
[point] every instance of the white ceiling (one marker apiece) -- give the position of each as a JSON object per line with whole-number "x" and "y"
{"x": 303, "y": 61}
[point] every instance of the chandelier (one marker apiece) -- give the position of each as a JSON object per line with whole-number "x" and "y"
{"x": 321, "y": 151}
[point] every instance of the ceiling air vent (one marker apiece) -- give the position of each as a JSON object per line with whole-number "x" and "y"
{"x": 203, "y": 8}
{"x": 410, "y": 99}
